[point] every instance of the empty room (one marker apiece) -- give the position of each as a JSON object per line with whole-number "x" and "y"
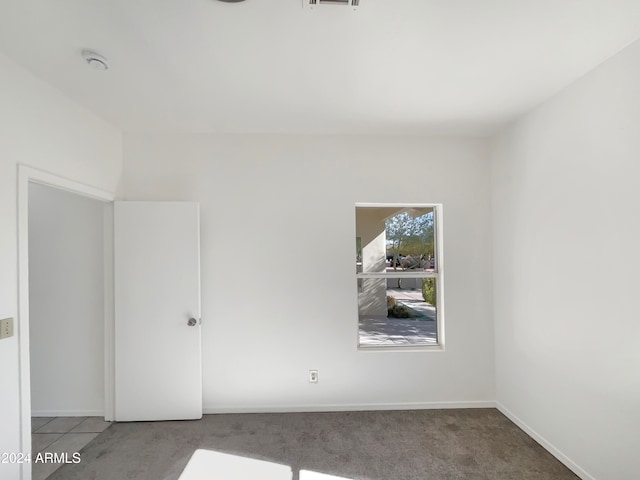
{"x": 319, "y": 240}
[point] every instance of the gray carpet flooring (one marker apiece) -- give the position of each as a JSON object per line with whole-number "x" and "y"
{"x": 478, "y": 444}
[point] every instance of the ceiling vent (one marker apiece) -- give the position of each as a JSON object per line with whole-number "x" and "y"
{"x": 317, "y": 3}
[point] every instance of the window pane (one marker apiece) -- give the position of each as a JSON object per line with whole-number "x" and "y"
{"x": 395, "y": 311}
{"x": 395, "y": 239}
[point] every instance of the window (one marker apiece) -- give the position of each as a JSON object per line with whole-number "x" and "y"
{"x": 399, "y": 275}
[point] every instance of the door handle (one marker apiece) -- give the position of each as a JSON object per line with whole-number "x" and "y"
{"x": 192, "y": 322}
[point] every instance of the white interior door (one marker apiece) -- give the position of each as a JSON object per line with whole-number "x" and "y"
{"x": 158, "y": 367}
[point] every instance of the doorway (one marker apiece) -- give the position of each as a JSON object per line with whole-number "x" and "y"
{"x": 66, "y": 313}
{"x": 65, "y": 320}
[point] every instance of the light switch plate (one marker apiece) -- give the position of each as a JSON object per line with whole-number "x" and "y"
{"x": 6, "y": 328}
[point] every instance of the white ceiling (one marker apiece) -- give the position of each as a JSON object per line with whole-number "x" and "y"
{"x": 391, "y": 66}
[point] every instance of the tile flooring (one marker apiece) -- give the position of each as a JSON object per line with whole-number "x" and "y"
{"x": 61, "y": 435}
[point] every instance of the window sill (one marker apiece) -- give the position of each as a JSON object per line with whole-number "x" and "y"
{"x": 401, "y": 348}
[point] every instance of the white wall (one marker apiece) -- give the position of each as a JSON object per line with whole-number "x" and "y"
{"x": 370, "y": 227}
{"x": 566, "y": 209}
{"x": 278, "y": 217}
{"x": 66, "y": 303}
{"x": 41, "y": 128}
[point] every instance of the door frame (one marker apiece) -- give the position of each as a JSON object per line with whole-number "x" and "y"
{"x": 26, "y": 175}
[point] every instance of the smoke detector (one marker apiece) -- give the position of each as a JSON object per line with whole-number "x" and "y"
{"x": 95, "y": 60}
{"x": 317, "y": 3}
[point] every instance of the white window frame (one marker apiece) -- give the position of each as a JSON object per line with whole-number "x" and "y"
{"x": 438, "y": 274}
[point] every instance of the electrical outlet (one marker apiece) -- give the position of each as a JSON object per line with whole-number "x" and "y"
{"x": 6, "y": 328}
{"x": 313, "y": 376}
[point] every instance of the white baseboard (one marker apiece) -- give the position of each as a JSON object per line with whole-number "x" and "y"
{"x": 67, "y": 413}
{"x": 570, "y": 464}
{"x": 345, "y": 407}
